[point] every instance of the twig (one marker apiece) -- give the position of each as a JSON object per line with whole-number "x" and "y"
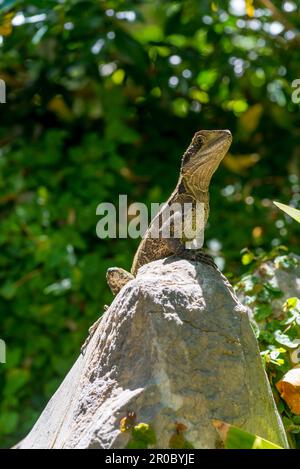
{"x": 278, "y": 15}
{"x": 27, "y": 277}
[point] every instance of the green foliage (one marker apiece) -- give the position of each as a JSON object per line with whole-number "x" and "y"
{"x": 291, "y": 211}
{"x": 239, "y": 439}
{"x": 143, "y": 435}
{"x": 102, "y": 98}
{"x": 278, "y": 332}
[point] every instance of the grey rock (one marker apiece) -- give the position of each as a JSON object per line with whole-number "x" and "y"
{"x": 174, "y": 346}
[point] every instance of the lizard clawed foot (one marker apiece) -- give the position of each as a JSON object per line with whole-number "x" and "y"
{"x": 197, "y": 255}
{"x": 117, "y": 279}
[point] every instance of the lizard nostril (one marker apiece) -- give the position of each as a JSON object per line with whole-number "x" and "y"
{"x": 227, "y": 132}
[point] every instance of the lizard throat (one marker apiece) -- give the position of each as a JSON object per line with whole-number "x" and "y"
{"x": 197, "y": 180}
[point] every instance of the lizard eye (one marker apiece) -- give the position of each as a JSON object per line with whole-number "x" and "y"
{"x": 195, "y": 146}
{"x": 198, "y": 143}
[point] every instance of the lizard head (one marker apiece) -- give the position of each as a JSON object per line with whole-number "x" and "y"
{"x": 203, "y": 157}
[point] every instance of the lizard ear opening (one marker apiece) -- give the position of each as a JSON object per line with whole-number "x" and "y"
{"x": 193, "y": 149}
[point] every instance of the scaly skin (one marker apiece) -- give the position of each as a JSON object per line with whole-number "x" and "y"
{"x": 199, "y": 163}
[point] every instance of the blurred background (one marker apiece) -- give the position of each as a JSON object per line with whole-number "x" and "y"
{"x": 102, "y": 98}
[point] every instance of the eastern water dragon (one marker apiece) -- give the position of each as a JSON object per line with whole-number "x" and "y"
{"x": 199, "y": 162}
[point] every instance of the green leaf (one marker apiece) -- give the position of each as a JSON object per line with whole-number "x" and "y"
{"x": 284, "y": 339}
{"x": 262, "y": 312}
{"x": 207, "y": 78}
{"x": 275, "y": 291}
{"x": 291, "y": 303}
{"x": 235, "y": 438}
{"x": 142, "y": 436}
{"x": 291, "y": 211}
{"x": 181, "y": 107}
{"x": 247, "y": 258}
{"x": 144, "y": 432}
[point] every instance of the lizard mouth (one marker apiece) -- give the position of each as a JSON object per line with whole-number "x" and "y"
{"x": 215, "y": 147}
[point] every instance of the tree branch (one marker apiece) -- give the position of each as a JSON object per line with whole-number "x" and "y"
{"x": 279, "y": 16}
